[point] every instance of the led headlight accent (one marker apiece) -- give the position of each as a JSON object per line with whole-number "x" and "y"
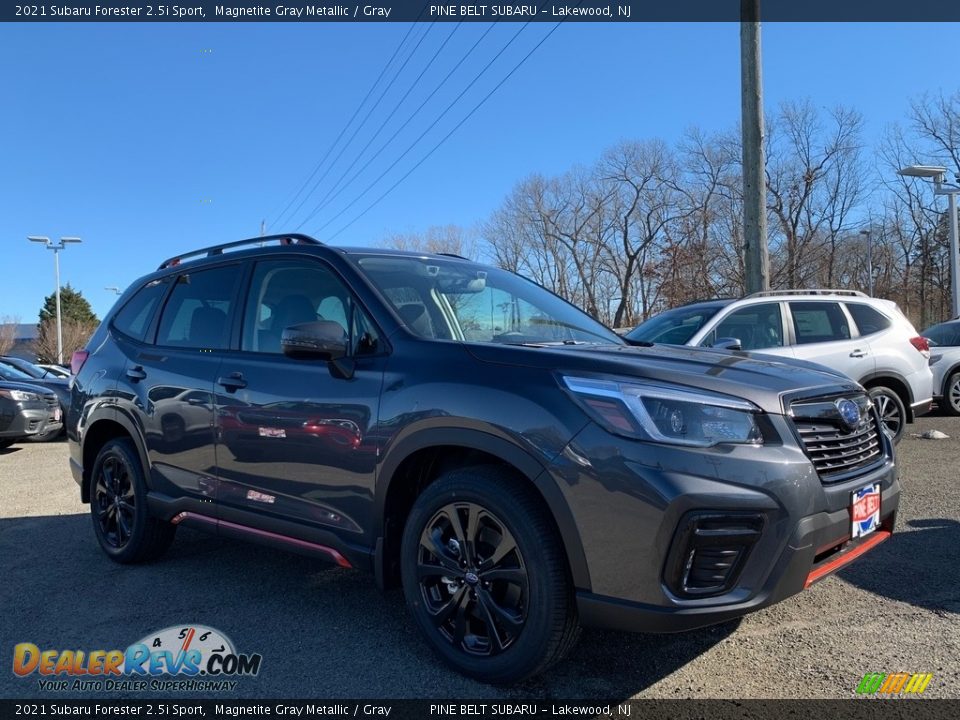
{"x": 19, "y": 395}
{"x": 667, "y": 413}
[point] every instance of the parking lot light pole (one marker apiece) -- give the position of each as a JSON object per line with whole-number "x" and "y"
{"x": 56, "y": 247}
{"x": 940, "y": 187}
{"x": 869, "y": 235}
{"x": 114, "y": 289}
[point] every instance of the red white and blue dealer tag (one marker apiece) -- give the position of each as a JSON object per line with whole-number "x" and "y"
{"x": 865, "y": 510}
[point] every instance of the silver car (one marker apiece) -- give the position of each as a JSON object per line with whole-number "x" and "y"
{"x": 868, "y": 339}
{"x": 944, "y": 342}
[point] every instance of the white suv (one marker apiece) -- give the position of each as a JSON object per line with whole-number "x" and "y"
{"x": 865, "y": 338}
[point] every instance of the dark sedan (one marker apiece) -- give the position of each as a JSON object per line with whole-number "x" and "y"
{"x": 59, "y": 386}
{"x": 27, "y": 411}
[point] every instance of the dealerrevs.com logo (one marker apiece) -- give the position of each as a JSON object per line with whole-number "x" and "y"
{"x": 178, "y": 658}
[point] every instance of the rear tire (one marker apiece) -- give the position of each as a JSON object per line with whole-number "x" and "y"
{"x": 951, "y": 394}
{"x": 893, "y": 413}
{"x": 118, "y": 507}
{"x": 485, "y": 576}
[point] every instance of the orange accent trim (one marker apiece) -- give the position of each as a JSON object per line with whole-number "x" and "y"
{"x": 188, "y": 639}
{"x": 334, "y": 555}
{"x": 878, "y": 537}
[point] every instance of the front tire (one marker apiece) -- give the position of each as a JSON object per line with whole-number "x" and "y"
{"x": 892, "y": 412}
{"x": 118, "y": 507}
{"x": 485, "y": 576}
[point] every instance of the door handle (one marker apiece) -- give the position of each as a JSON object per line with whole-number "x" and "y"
{"x": 232, "y": 382}
{"x": 859, "y": 353}
{"x": 136, "y": 373}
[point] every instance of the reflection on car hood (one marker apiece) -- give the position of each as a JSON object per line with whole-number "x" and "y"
{"x": 761, "y": 379}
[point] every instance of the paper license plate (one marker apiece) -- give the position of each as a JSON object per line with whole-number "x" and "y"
{"x": 865, "y": 510}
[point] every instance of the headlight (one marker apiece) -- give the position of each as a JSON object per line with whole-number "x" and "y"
{"x": 667, "y": 413}
{"x": 19, "y": 395}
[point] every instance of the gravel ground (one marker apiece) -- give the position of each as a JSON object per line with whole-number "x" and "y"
{"x": 327, "y": 632}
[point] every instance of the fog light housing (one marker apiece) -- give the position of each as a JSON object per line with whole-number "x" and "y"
{"x": 709, "y": 551}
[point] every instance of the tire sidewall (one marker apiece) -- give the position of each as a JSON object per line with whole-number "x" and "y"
{"x": 892, "y": 396}
{"x": 122, "y": 450}
{"x": 529, "y": 648}
{"x": 948, "y": 405}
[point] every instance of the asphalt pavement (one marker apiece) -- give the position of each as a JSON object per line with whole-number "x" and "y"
{"x": 326, "y": 632}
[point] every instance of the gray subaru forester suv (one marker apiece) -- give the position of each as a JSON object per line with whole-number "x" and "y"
{"x": 458, "y": 431}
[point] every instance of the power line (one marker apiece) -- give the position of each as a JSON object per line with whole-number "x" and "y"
{"x": 327, "y": 200}
{"x": 447, "y": 136}
{"x": 362, "y": 122}
{"x": 347, "y": 125}
{"x": 429, "y": 128}
{"x": 324, "y": 201}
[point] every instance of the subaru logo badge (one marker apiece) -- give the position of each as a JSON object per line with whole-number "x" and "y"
{"x": 472, "y": 578}
{"x": 849, "y": 412}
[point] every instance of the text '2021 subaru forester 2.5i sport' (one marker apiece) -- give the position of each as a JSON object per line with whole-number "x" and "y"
{"x": 459, "y": 431}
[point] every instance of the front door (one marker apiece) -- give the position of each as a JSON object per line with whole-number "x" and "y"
{"x": 293, "y": 439}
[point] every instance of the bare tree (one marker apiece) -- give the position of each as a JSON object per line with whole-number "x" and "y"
{"x": 8, "y": 333}
{"x": 76, "y": 333}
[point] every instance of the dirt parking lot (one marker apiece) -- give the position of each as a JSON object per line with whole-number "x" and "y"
{"x": 325, "y": 632}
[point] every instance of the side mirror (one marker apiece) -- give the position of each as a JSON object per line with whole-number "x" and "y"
{"x": 727, "y": 343}
{"x": 322, "y": 339}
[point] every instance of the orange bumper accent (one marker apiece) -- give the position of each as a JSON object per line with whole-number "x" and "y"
{"x": 847, "y": 557}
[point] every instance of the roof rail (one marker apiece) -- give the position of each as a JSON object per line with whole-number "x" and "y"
{"x": 453, "y": 255}
{"x": 811, "y": 291}
{"x": 284, "y": 239}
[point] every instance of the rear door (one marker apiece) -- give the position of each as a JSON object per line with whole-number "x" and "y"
{"x": 824, "y": 333}
{"x": 170, "y": 383}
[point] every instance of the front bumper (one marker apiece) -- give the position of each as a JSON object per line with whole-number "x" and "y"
{"x": 629, "y": 499}
{"x": 30, "y": 421}
{"x": 819, "y": 547}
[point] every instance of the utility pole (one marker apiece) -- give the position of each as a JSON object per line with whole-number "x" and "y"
{"x": 756, "y": 261}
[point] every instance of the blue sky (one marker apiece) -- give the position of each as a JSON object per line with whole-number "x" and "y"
{"x": 150, "y": 139}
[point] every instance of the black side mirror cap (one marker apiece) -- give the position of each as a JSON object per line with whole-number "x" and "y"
{"x": 321, "y": 339}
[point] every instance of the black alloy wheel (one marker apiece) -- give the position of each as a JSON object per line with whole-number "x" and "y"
{"x": 123, "y": 526}
{"x": 472, "y": 579}
{"x": 485, "y": 575}
{"x": 114, "y": 502}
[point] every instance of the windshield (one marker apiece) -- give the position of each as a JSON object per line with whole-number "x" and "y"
{"x": 8, "y": 372}
{"x": 25, "y": 367}
{"x": 674, "y": 327}
{"x": 449, "y": 300}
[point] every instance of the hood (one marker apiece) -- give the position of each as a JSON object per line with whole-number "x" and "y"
{"x": 764, "y": 380}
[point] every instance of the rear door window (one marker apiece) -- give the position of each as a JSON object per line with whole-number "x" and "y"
{"x": 199, "y": 310}
{"x": 817, "y": 322}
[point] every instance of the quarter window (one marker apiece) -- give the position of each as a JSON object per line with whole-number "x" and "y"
{"x": 868, "y": 320}
{"x": 134, "y": 318}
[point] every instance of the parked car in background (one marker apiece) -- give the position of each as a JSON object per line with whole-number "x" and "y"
{"x": 55, "y": 370}
{"x": 32, "y": 369}
{"x": 459, "y": 431}
{"x": 59, "y": 386}
{"x": 945, "y": 363}
{"x": 27, "y": 411}
{"x": 867, "y": 339}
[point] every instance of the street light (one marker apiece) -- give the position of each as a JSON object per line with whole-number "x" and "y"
{"x": 869, "y": 235}
{"x": 114, "y": 289}
{"x": 56, "y": 247}
{"x": 938, "y": 174}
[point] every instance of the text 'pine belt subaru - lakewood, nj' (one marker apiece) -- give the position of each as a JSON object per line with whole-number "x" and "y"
{"x": 457, "y": 430}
